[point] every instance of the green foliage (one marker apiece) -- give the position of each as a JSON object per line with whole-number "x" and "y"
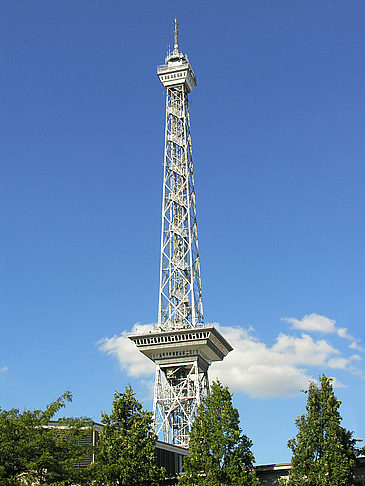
{"x": 220, "y": 453}
{"x": 32, "y": 451}
{"x": 125, "y": 454}
{"x": 324, "y": 453}
{"x": 14, "y": 437}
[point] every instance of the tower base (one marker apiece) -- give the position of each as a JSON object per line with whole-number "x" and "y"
{"x": 179, "y": 390}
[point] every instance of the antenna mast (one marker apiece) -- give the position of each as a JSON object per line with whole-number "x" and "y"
{"x": 176, "y": 45}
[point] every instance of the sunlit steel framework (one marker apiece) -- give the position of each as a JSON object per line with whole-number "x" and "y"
{"x": 181, "y": 345}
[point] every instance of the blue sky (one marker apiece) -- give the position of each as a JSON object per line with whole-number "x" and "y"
{"x": 278, "y": 125}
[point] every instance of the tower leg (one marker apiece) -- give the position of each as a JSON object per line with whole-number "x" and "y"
{"x": 179, "y": 390}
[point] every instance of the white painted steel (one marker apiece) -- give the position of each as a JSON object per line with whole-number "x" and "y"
{"x": 180, "y": 299}
{"x": 178, "y": 392}
{"x": 182, "y": 385}
{"x": 182, "y": 359}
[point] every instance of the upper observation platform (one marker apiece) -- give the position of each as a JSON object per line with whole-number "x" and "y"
{"x": 177, "y": 70}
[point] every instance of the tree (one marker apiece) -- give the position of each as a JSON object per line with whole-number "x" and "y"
{"x": 219, "y": 453}
{"x": 33, "y": 452}
{"x": 324, "y": 452}
{"x": 125, "y": 453}
{"x": 13, "y": 441}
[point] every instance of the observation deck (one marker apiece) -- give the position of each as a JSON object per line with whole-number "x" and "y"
{"x": 167, "y": 347}
{"x": 177, "y": 71}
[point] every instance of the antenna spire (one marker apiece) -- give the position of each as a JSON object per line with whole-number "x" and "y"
{"x": 176, "y": 45}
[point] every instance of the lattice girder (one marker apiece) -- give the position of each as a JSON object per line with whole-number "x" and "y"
{"x": 177, "y": 399}
{"x": 180, "y": 302}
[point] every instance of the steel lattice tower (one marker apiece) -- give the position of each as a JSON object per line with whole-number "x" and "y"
{"x": 180, "y": 344}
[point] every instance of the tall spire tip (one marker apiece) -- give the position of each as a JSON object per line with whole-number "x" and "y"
{"x": 176, "y": 45}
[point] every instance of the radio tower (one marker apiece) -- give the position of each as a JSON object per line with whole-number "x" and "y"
{"x": 181, "y": 345}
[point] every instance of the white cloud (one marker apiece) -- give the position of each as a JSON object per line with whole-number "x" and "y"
{"x": 317, "y": 323}
{"x": 129, "y": 357}
{"x": 261, "y": 381}
{"x": 4, "y": 369}
{"x": 303, "y": 350}
{"x": 253, "y": 367}
{"x": 356, "y": 345}
{"x": 343, "y": 333}
{"x": 312, "y": 322}
{"x": 263, "y": 371}
{"x": 343, "y": 363}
